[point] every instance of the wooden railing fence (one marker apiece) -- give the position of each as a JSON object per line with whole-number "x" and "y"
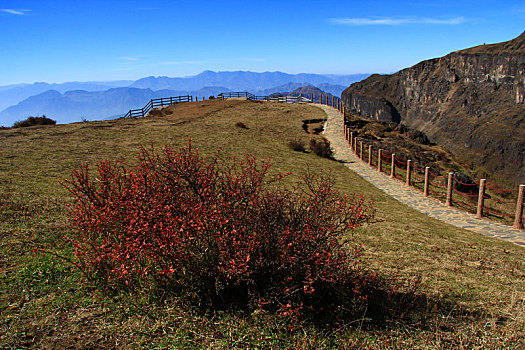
{"x": 155, "y": 103}
{"x": 168, "y": 101}
{"x": 477, "y": 197}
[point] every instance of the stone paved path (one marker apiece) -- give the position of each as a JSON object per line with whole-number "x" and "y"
{"x": 408, "y": 195}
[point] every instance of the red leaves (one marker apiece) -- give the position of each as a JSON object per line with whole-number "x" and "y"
{"x": 211, "y": 231}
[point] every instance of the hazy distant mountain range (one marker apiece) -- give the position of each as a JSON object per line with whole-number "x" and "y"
{"x": 12, "y": 94}
{"x": 241, "y": 80}
{"x": 76, "y": 105}
{"x": 74, "y": 101}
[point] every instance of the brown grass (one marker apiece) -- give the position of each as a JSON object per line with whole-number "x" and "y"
{"x": 473, "y": 287}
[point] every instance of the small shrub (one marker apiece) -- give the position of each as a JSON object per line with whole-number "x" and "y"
{"x": 321, "y": 147}
{"x": 30, "y": 121}
{"x": 217, "y": 235}
{"x": 211, "y": 97}
{"x": 241, "y": 125}
{"x": 297, "y": 145}
{"x": 155, "y": 112}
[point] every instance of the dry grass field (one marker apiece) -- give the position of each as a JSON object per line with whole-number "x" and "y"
{"x": 471, "y": 292}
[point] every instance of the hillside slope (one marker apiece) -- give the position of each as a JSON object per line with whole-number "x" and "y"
{"x": 464, "y": 299}
{"x": 470, "y": 101}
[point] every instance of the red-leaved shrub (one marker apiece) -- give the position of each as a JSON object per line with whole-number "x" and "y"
{"x": 216, "y": 234}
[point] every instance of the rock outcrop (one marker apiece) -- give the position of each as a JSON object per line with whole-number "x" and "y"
{"x": 471, "y": 101}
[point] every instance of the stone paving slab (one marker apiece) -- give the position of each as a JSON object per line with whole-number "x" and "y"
{"x": 333, "y": 131}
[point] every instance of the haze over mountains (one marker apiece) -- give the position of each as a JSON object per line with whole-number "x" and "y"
{"x": 12, "y": 94}
{"x": 74, "y": 101}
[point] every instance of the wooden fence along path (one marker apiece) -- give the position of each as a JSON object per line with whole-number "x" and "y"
{"x": 477, "y": 197}
{"x": 490, "y": 201}
{"x": 155, "y": 103}
{"x": 409, "y": 195}
{"x": 168, "y": 101}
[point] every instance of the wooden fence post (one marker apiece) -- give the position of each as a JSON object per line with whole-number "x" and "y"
{"x": 379, "y": 159}
{"x": 409, "y": 173}
{"x": 450, "y": 181}
{"x": 370, "y": 155}
{"x": 333, "y": 101}
{"x": 481, "y": 198}
{"x": 351, "y": 139}
{"x": 312, "y": 98}
{"x": 361, "y": 147}
{"x": 519, "y": 209}
{"x": 425, "y": 188}
{"x": 393, "y": 167}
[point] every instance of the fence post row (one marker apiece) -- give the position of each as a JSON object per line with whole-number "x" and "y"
{"x": 352, "y": 141}
{"x": 163, "y": 101}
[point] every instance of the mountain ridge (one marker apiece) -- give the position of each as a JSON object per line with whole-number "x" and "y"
{"x": 469, "y": 101}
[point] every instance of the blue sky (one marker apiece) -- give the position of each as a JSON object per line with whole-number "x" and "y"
{"x": 57, "y": 41}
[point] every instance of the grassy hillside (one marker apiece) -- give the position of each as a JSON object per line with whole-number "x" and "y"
{"x": 472, "y": 292}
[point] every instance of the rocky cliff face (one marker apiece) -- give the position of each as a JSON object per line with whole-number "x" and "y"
{"x": 471, "y": 101}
